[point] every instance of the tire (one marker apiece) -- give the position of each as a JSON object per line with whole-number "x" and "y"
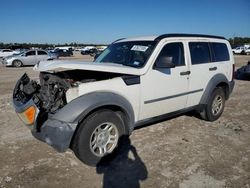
{"x": 17, "y": 63}
{"x": 215, "y": 106}
{"x": 95, "y": 133}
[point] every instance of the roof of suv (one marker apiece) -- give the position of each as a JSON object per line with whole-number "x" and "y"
{"x": 170, "y": 35}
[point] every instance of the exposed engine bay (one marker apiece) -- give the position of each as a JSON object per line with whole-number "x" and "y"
{"x": 49, "y": 94}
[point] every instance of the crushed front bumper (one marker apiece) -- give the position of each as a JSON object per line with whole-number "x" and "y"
{"x": 54, "y": 132}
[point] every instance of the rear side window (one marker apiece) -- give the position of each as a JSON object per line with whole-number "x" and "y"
{"x": 200, "y": 52}
{"x": 220, "y": 51}
{"x": 30, "y": 53}
{"x": 41, "y": 52}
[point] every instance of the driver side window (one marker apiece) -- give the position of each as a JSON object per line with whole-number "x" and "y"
{"x": 173, "y": 51}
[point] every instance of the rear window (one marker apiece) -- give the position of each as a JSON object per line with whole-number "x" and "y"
{"x": 200, "y": 52}
{"x": 220, "y": 52}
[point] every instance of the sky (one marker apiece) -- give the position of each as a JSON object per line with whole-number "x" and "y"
{"x": 99, "y": 21}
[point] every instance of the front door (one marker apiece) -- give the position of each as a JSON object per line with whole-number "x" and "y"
{"x": 165, "y": 90}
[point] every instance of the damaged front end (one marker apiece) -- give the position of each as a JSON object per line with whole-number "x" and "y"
{"x": 41, "y": 104}
{"x": 36, "y": 103}
{"x": 45, "y": 98}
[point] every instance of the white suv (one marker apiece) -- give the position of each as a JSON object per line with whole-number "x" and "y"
{"x": 238, "y": 50}
{"x": 89, "y": 106}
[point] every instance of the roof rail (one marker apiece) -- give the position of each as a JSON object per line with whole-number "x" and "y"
{"x": 186, "y": 35}
{"x": 117, "y": 40}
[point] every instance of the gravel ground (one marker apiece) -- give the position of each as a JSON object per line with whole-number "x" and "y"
{"x": 180, "y": 152}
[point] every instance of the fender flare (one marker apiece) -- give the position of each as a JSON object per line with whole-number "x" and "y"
{"x": 213, "y": 82}
{"x": 76, "y": 110}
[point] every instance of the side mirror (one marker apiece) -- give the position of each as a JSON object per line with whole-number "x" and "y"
{"x": 164, "y": 62}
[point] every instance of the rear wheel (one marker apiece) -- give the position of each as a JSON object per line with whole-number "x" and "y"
{"x": 98, "y": 136}
{"x": 17, "y": 63}
{"x": 215, "y": 106}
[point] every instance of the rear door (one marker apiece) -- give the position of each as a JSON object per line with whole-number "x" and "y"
{"x": 206, "y": 60}
{"x": 41, "y": 55}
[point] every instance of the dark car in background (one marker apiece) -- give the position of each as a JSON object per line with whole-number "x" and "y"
{"x": 89, "y": 51}
{"x": 62, "y": 52}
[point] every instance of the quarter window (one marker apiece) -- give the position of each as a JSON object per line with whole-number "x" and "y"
{"x": 175, "y": 51}
{"x": 220, "y": 52}
{"x": 200, "y": 52}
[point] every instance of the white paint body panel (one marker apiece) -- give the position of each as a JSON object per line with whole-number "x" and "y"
{"x": 154, "y": 84}
{"x": 117, "y": 86}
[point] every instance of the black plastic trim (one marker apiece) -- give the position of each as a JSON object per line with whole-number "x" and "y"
{"x": 76, "y": 110}
{"x": 172, "y": 96}
{"x": 118, "y": 40}
{"x": 213, "y": 82}
{"x": 186, "y": 35}
{"x": 149, "y": 121}
{"x": 131, "y": 80}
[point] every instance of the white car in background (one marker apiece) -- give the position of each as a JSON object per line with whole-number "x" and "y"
{"x": 238, "y": 50}
{"x": 247, "y": 51}
{"x": 101, "y": 48}
{"x": 6, "y": 52}
{"x": 30, "y": 57}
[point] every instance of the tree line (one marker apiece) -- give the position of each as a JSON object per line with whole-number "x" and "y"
{"x": 239, "y": 41}
{"x": 42, "y": 46}
{"x": 236, "y": 41}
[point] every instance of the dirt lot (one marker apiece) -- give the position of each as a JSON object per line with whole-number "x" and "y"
{"x": 181, "y": 152}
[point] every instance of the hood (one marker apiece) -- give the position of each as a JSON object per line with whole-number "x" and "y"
{"x": 62, "y": 65}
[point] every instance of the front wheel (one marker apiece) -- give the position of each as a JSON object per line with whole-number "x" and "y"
{"x": 215, "y": 106}
{"x": 17, "y": 63}
{"x": 97, "y": 136}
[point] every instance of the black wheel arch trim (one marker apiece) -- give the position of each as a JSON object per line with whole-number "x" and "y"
{"x": 76, "y": 110}
{"x": 216, "y": 80}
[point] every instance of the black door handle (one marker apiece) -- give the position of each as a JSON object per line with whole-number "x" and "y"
{"x": 212, "y": 68}
{"x": 185, "y": 73}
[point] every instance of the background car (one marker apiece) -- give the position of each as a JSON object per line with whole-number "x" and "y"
{"x": 243, "y": 73}
{"x": 61, "y": 52}
{"x": 247, "y": 51}
{"x": 6, "y": 52}
{"x": 238, "y": 50}
{"x": 91, "y": 51}
{"x": 30, "y": 57}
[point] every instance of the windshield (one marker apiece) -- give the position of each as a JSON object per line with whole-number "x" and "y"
{"x": 133, "y": 53}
